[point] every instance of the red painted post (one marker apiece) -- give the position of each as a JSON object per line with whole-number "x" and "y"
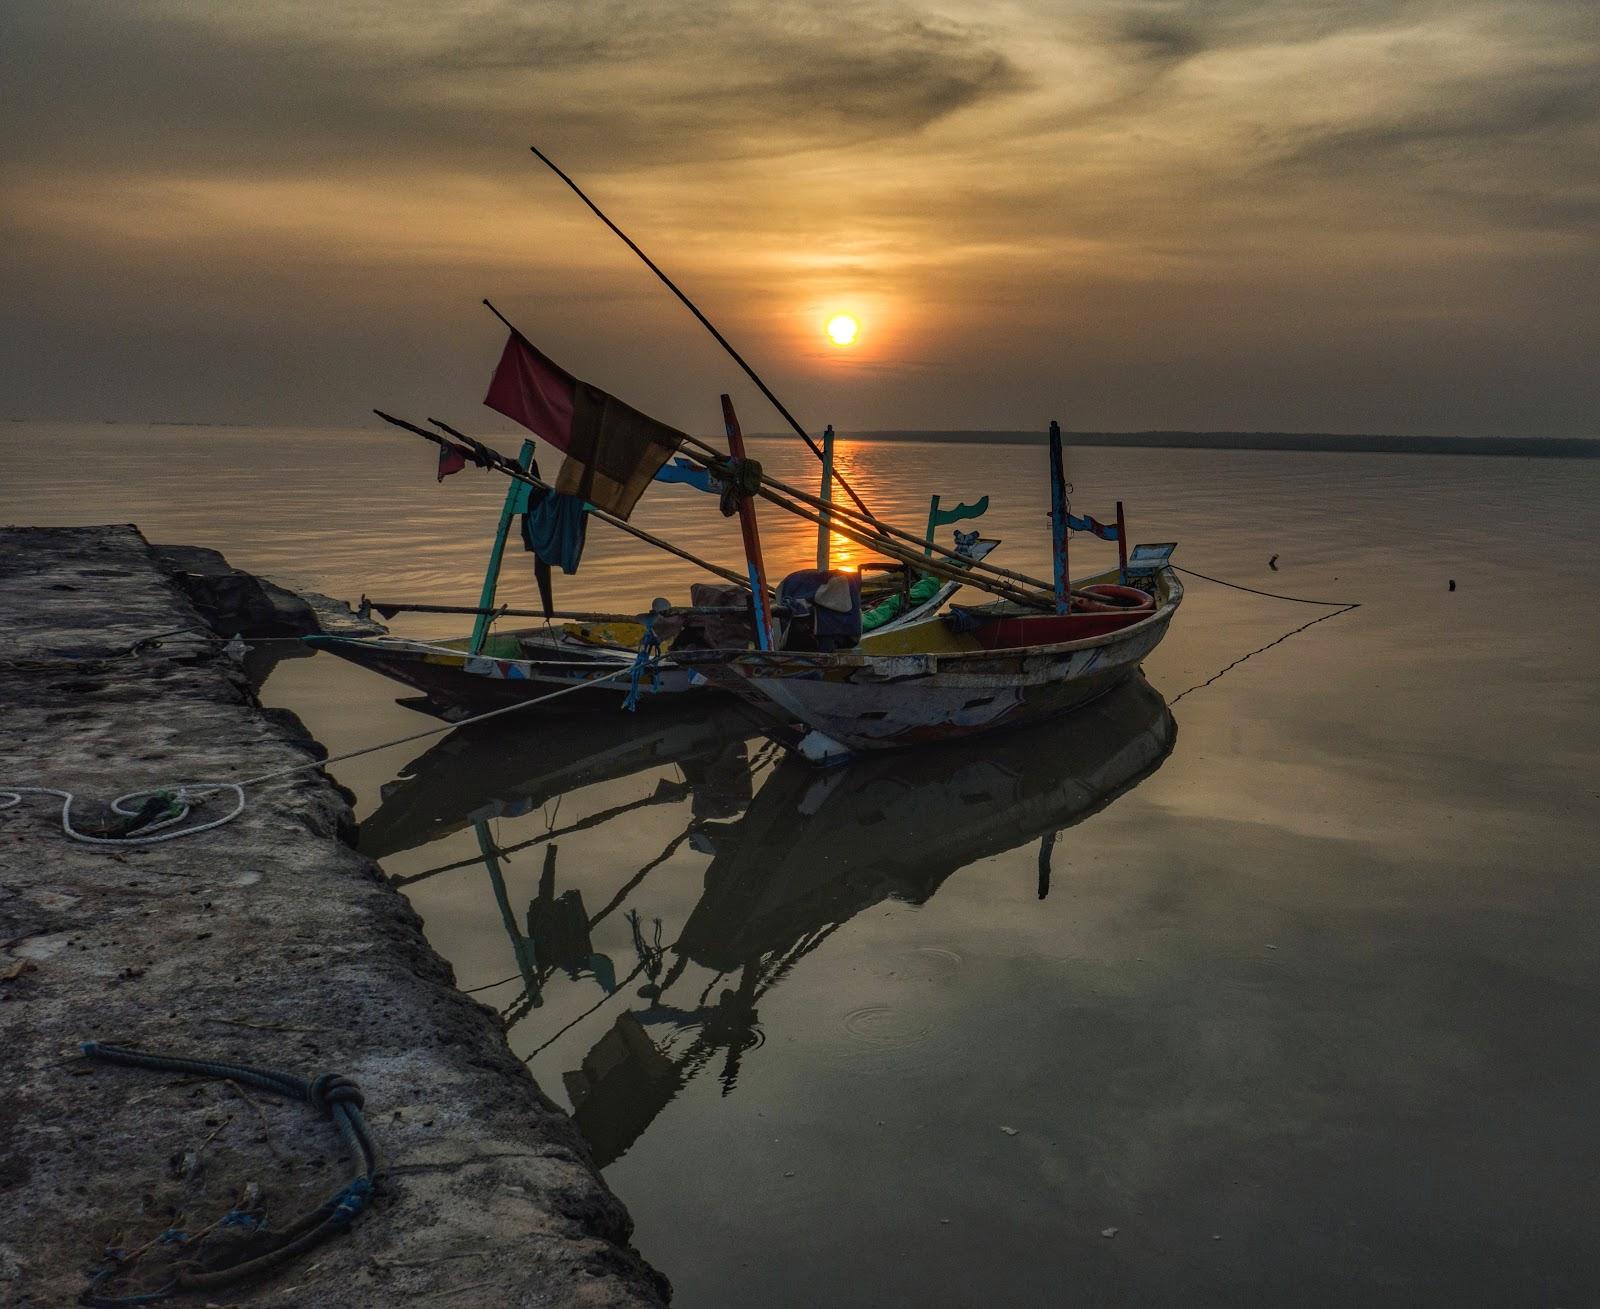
{"x": 752, "y": 537}
{"x": 1122, "y": 547}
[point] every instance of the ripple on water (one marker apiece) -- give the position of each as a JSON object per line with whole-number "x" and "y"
{"x": 927, "y": 963}
{"x": 877, "y": 1028}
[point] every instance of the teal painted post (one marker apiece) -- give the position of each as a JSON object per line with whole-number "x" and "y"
{"x": 516, "y": 502}
{"x": 824, "y": 528}
{"x": 1058, "y": 522}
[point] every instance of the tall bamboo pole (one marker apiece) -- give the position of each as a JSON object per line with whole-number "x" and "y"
{"x": 704, "y": 321}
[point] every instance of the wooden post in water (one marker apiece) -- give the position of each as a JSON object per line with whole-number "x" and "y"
{"x": 516, "y": 502}
{"x": 825, "y": 527}
{"x": 1058, "y": 522}
{"x": 1122, "y": 547}
{"x": 752, "y": 537}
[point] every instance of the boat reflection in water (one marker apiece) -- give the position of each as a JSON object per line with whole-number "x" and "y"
{"x": 789, "y": 866}
{"x": 505, "y": 770}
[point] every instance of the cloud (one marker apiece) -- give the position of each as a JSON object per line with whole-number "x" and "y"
{"x": 1214, "y": 182}
{"x": 241, "y": 89}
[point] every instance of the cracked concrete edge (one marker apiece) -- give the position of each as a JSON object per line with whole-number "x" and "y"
{"x": 268, "y": 941}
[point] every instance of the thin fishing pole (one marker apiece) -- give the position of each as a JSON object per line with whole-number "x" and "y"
{"x": 704, "y": 322}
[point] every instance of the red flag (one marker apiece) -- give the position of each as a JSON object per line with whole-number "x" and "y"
{"x": 452, "y": 459}
{"x": 613, "y": 451}
{"x": 534, "y": 390}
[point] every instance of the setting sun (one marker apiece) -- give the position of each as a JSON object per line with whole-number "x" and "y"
{"x": 842, "y": 329}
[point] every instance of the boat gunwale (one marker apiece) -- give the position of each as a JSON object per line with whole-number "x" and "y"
{"x": 756, "y": 663}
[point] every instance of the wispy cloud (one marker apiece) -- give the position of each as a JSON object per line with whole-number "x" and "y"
{"x": 1175, "y": 197}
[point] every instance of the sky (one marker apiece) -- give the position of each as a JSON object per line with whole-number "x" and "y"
{"x": 1303, "y": 215}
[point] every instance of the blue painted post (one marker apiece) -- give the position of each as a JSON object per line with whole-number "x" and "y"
{"x": 516, "y": 502}
{"x": 1058, "y": 522}
{"x": 824, "y": 528}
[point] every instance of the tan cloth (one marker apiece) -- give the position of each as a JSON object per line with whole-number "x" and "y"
{"x": 615, "y": 451}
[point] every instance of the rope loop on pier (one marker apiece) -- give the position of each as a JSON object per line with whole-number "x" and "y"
{"x": 334, "y": 1096}
{"x": 156, "y": 819}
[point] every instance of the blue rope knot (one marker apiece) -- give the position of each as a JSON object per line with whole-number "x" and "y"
{"x": 330, "y": 1089}
{"x": 349, "y": 1203}
{"x": 648, "y": 657}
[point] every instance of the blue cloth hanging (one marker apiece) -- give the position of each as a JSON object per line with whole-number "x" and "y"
{"x": 554, "y": 528}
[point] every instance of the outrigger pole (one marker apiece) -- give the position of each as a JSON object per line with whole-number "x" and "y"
{"x": 494, "y": 459}
{"x": 704, "y": 322}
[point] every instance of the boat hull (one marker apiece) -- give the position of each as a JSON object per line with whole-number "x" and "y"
{"x": 457, "y": 684}
{"x": 864, "y": 702}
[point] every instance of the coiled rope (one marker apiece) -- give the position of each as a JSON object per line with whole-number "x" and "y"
{"x": 336, "y": 1097}
{"x": 178, "y": 800}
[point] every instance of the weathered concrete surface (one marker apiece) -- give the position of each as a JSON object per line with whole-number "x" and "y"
{"x": 268, "y": 941}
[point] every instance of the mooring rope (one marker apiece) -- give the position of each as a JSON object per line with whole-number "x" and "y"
{"x": 1338, "y": 607}
{"x": 1271, "y": 595}
{"x": 177, "y": 800}
{"x": 334, "y": 1096}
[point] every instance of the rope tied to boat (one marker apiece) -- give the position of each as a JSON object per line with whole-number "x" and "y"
{"x": 740, "y": 479}
{"x": 646, "y": 659}
{"x": 332, "y": 1095}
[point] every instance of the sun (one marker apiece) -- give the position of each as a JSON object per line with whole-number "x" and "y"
{"x": 842, "y": 329}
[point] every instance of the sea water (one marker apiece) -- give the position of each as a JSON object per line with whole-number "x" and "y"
{"x": 1305, "y": 1013}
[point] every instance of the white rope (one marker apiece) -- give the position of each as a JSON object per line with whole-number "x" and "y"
{"x": 11, "y": 796}
{"x": 186, "y": 794}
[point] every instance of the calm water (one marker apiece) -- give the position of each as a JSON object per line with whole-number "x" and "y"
{"x": 1307, "y": 1014}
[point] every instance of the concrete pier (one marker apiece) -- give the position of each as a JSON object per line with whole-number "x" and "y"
{"x": 267, "y": 941}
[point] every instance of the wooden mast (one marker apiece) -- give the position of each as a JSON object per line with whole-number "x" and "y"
{"x": 750, "y": 533}
{"x": 825, "y": 527}
{"x": 1058, "y": 522}
{"x": 1122, "y": 547}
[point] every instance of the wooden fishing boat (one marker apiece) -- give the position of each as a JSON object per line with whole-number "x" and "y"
{"x": 988, "y": 667}
{"x": 465, "y": 675}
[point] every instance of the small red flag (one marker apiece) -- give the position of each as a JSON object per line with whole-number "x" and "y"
{"x": 452, "y": 459}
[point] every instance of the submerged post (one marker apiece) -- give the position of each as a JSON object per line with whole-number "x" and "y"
{"x": 516, "y": 502}
{"x": 1058, "y": 522}
{"x": 1122, "y": 547}
{"x": 825, "y": 527}
{"x": 752, "y": 537}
